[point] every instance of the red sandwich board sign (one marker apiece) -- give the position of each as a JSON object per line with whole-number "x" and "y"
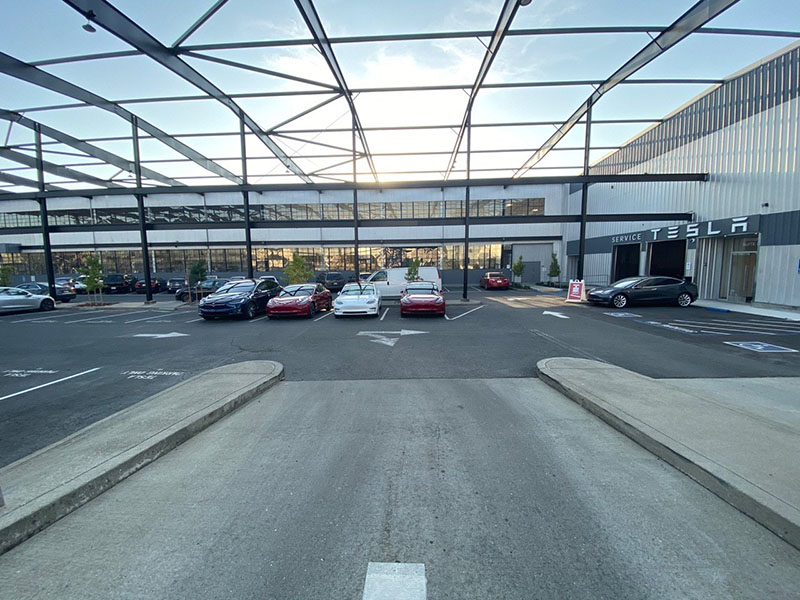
{"x": 576, "y": 291}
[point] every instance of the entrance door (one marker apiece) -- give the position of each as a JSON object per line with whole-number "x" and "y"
{"x": 742, "y": 269}
{"x": 626, "y": 261}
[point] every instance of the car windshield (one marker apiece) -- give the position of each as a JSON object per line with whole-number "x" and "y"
{"x": 626, "y": 283}
{"x": 334, "y": 277}
{"x": 240, "y": 287}
{"x": 173, "y": 281}
{"x": 113, "y": 278}
{"x": 298, "y": 290}
{"x": 358, "y": 291}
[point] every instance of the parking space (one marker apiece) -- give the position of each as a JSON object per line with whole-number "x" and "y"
{"x": 64, "y": 370}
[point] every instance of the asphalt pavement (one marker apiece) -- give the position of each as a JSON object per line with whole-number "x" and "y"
{"x": 496, "y": 488}
{"x": 64, "y": 370}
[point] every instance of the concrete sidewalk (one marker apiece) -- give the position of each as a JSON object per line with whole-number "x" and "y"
{"x": 739, "y": 438}
{"x": 792, "y": 315}
{"x": 49, "y": 484}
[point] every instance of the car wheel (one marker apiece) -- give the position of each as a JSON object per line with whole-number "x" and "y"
{"x": 620, "y": 301}
{"x": 184, "y": 297}
{"x": 311, "y": 310}
{"x": 335, "y": 316}
{"x": 47, "y": 304}
{"x": 403, "y": 315}
{"x": 330, "y": 305}
{"x": 684, "y": 299}
{"x": 250, "y": 310}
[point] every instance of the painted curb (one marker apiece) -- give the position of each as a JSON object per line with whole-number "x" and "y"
{"x": 682, "y": 458}
{"x": 79, "y": 490}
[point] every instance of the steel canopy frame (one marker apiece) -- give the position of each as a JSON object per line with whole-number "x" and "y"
{"x": 30, "y": 161}
{"x": 314, "y": 23}
{"x": 85, "y": 147}
{"x": 702, "y": 12}
{"x": 118, "y": 24}
{"x": 503, "y": 23}
{"x": 26, "y": 72}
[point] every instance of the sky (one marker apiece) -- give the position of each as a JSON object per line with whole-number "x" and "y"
{"x": 34, "y": 30}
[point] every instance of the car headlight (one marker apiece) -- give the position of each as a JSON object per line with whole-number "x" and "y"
{"x": 239, "y": 300}
{"x": 405, "y": 300}
{"x": 338, "y": 302}
{"x": 271, "y": 302}
{"x": 439, "y": 300}
{"x": 372, "y": 301}
{"x": 304, "y": 300}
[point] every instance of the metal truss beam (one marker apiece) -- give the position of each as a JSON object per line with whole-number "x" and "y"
{"x": 114, "y": 21}
{"x": 24, "y": 181}
{"x": 287, "y": 187}
{"x": 410, "y": 88}
{"x": 85, "y": 147}
{"x": 30, "y": 161}
{"x": 500, "y": 29}
{"x": 412, "y": 37}
{"x": 199, "y": 23}
{"x": 323, "y": 44}
{"x": 22, "y": 70}
{"x": 702, "y": 12}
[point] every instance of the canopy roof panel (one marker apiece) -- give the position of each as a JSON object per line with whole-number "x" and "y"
{"x": 412, "y": 78}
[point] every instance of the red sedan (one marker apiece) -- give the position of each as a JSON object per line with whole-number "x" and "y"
{"x": 495, "y": 281}
{"x": 302, "y": 300}
{"x": 421, "y": 297}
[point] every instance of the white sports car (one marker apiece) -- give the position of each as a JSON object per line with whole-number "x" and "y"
{"x": 14, "y": 299}
{"x": 357, "y": 299}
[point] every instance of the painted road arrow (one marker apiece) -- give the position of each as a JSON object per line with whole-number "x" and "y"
{"x": 555, "y": 314}
{"x": 382, "y": 337}
{"x": 172, "y": 334}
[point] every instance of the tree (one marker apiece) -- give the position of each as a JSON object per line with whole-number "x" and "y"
{"x": 555, "y": 268}
{"x": 518, "y": 268}
{"x": 5, "y": 274}
{"x": 413, "y": 270}
{"x": 298, "y": 270}
{"x": 197, "y": 273}
{"x": 93, "y": 271}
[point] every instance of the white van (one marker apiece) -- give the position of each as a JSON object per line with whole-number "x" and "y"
{"x": 390, "y": 282}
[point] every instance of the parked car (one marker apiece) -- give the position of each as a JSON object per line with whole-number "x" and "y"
{"x": 300, "y": 300}
{"x": 389, "y": 283}
{"x": 156, "y": 285}
{"x": 333, "y": 281}
{"x": 495, "y": 281}
{"x": 63, "y": 294}
{"x": 239, "y": 297}
{"x": 644, "y": 290}
{"x": 422, "y": 297}
{"x": 357, "y": 299}
{"x": 14, "y": 299}
{"x": 71, "y": 283}
{"x": 237, "y": 278}
{"x": 201, "y": 290}
{"x": 175, "y": 284}
{"x": 118, "y": 284}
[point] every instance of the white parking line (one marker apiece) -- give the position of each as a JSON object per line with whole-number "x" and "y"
{"x": 735, "y": 328}
{"x": 137, "y": 312}
{"x": 161, "y": 316}
{"x": 327, "y": 314}
{"x": 402, "y": 581}
{"x": 770, "y": 325}
{"x": 264, "y": 317}
{"x": 38, "y": 387}
{"x": 463, "y": 314}
{"x": 384, "y": 314}
{"x": 195, "y": 320}
{"x": 47, "y": 318}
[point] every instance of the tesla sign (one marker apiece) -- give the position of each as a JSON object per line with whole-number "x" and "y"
{"x": 704, "y": 229}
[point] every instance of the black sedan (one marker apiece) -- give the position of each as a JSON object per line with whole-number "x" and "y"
{"x": 645, "y": 290}
{"x": 63, "y": 293}
{"x": 333, "y": 281}
{"x": 201, "y": 290}
{"x": 240, "y": 298}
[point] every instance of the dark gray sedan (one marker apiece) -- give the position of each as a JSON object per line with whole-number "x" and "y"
{"x": 63, "y": 293}
{"x": 645, "y": 290}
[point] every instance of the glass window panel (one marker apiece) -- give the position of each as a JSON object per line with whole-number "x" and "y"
{"x": 283, "y": 212}
{"x": 313, "y": 212}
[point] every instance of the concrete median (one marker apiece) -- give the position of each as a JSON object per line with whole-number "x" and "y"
{"x": 747, "y": 457}
{"x": 49, "y": 484}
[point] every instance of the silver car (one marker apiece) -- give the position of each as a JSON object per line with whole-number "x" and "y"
{"x": 14, "y": 299}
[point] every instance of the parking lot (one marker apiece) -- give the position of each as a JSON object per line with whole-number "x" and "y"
{"x": 69, "y": 368}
